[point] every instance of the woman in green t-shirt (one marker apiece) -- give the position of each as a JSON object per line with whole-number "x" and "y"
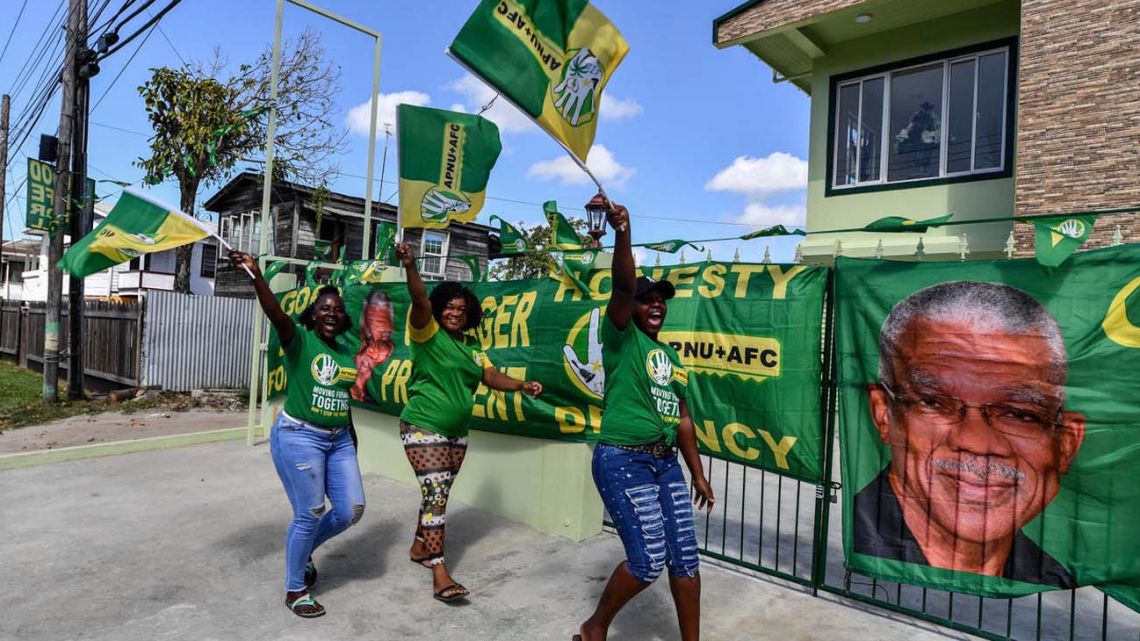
{"x": 635, "y": 461}
{"x": 446, "y": 371}
{"x": 311, "y": 441}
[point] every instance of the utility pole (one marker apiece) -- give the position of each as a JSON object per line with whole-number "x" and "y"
{"x": 76, "y": 39}
{"x": 4, "y": 103}
{"x": 81, "y": 202}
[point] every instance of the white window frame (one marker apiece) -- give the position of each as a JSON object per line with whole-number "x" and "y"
{"x": 244, "y": 232}
{"x": 446, "y": 248}
{"x": 886, "y": 136}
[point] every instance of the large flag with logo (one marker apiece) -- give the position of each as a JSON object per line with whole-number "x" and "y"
{"x": 990, "y": 423}
{"x": 551, "y": 58}
{"x": 445, "y": 160}
{"x": 136, "y": 225}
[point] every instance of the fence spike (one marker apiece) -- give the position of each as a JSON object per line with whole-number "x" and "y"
{"x": 682, "y": 258}
{"x": 708, "y": 256}
{"x": 1117, "y": 237}
{"x": 919, "y": 250}
{"x": 799, "y": 256}
{"x": 879, "y": 249}
{"x": 963, "y": 247}
{"x": 836, "y": 249}
{"x": 657, "y": 261}
{"x": 1009, "y": 245}
{"x": 767, "y": 254}
{"x": 736, "y": 256}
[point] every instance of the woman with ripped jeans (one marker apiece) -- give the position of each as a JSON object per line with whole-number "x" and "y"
{"x": 446, "y": 371}
{"x": 635, "y": 461}
{"x": 312, "y": 442}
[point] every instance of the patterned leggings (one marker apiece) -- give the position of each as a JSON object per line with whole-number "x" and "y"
{"x": 436, "y": 460}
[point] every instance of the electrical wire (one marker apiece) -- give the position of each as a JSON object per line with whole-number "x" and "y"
{"x": 13, "y": 31}
{"x": 122, "y": 69}
{"x": 154, "y": 19}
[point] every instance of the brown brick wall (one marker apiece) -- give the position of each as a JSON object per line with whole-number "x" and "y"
{"x": 1078, "y": 139}
{"x": 775, "y": 13}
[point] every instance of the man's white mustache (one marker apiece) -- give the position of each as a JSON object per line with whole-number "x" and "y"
{"x": 982, "y": 470}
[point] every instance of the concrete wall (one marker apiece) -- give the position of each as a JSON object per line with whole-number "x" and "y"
{"x": 544, "y": 484}
{"x": 980, "y": 199}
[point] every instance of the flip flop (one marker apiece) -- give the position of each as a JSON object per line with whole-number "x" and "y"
{"x": 423, "y": 560}
{"x": 306, "y": 600}
{"x": 310, "y": 574}
{"x": 457, "y": 592}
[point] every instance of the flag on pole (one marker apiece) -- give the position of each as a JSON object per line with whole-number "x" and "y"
{"x": 562, "y": 234}
{"x": 385, "y": 242}
{"x": 671, "y": 246}
{"x": 894, "y": 224}
{"x": 551, "y": 58}
{"x": 1059, "y": 236}
{"x": 136, "y": 225}
{"x": 775, "y": 230}
{"x": 445, "y": 160}
{"x": 511, "y": 240}
{"x": 475, "y": 266}
{"x": 576, "y": 266}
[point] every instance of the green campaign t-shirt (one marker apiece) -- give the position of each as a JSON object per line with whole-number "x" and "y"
{"x": 445, "y": 375}
{"x": 645, "y": 383}
{"x": 319, "y": 378}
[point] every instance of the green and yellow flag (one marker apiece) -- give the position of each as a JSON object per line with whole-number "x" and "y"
{"x": 671, "y": 246}
{"x": 385, "y": 242}
{"x": 551, "y": 58}
{"x": 511, "y": 240}
{"x": 562, "y": 234}
{"x": 445, "y": 160}
{"x": 1059, "y": 236}
{"x": 137, "y": 225}
{"x": 476, "y": 267}
{"x": 775, "y": 230}
{"x": 894, "y": 224}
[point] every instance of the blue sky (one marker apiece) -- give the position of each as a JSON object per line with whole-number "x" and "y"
{"x": 697, "y": 142}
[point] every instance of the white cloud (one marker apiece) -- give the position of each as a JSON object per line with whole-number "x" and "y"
{"x": 758, "y": 177}
{"x": 602, "y": 163}
{"x": 502, "y": 113}
{"x": 358, "y": 116}
{"x": 762, "y": 215}
{"x": 614, "y": 108}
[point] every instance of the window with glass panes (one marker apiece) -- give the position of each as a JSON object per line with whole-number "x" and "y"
{"x": 938, "y": 119}
{"x": 434, "y": 252}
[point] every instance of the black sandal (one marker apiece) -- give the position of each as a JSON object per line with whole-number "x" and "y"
{"x": 310, "y": 574}
{"x": 451, "y": 593}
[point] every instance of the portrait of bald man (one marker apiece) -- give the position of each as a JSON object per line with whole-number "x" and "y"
{"x": 971, "y": 404}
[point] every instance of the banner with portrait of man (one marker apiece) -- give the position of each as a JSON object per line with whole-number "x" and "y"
{"x": 990, "y": 422}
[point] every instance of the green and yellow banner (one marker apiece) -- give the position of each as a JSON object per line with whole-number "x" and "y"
{"x": 551, "y": 58}
{"x": 750, "y": 335}
{"x": 137, "y": 225}
{"x": 1058, "y": 236}
{"x": 445, "y": 161}
{"x": 990, "y": 423}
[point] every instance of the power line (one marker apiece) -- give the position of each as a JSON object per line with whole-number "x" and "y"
{"x": 126, "y": 131}
{"x": 167, "y": 39}
{"x": 13, "y": 31}
{"x": 39, "y": 44}
{"x": 121, "y": 70}
{"x": 154, "y": 19}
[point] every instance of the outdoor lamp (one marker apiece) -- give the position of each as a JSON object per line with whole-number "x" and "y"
{"x": 596, "y": 211}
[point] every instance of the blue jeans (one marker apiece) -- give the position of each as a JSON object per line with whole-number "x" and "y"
{"x": 313, "y": 462}
{"x": 648, "y": 499}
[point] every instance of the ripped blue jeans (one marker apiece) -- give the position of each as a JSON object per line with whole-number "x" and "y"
{"x": 648, "y": 499}
{"x": 313, "y": 462}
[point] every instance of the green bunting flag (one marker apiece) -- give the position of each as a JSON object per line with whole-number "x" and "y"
{"x": 445, "y": 160}
{"x": 272, "y": 269}
{"x": 775, "y": 230}
{"x": 311, "y": 274}
{"x": 475, "y": 266}
{"x": 511, "y": 240}
{"x": 550, "y": 58}
{"x": 562, "y": 234}
{"x": 671, "y": 246}
{"x": 576, "y": 266}
{"x": 892, "y": 224}
{"x": 137, "y": 225}
{"x": 322, "y": 250}
{"x": 1059, "y": 236}
{"x": 362, "y": 271}
{"x": 385, "y": 242}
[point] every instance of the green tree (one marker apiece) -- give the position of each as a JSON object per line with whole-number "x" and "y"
{"x": 206, "y": 119}
{"x": 538, "y": 261}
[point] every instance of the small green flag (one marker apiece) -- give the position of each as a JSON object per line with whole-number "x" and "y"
{"x": 272, "y": 269}
{"x": 775, "y": 230}
{"x": 385, "y": 242}
{"x": 1059, "y": 236}
{"x": 322, "y": 250}
{"x": 562, "y": 234}
{"x": 311, "y": 274}
{"x": 894, "y": 224}
{"x": 671, "y": 246}
{"x": 576, "y": 266}
{"x": 511, "y": 240}
{"x": 362, "y": 271}
{"x": 445, "y": 161}
{"x": 136, "y": 225}
{"x": 474, "y": 265}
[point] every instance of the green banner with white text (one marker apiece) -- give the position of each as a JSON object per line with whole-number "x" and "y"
{"x": 750, "y": 335}
{"x": 990, "y": 423}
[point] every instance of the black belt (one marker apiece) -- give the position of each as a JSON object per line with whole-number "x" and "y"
{"x": 658, "y": 449}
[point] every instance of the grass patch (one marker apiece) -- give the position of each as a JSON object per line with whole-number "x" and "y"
{"x": 22, "y": 404}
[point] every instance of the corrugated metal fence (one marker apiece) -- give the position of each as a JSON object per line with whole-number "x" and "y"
{"x": 195, "y": 342}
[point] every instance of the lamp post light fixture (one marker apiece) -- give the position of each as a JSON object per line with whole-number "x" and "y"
{"x": 596, "y": 211}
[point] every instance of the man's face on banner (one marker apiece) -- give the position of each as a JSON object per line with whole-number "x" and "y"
{"x": 976, "y": 427}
